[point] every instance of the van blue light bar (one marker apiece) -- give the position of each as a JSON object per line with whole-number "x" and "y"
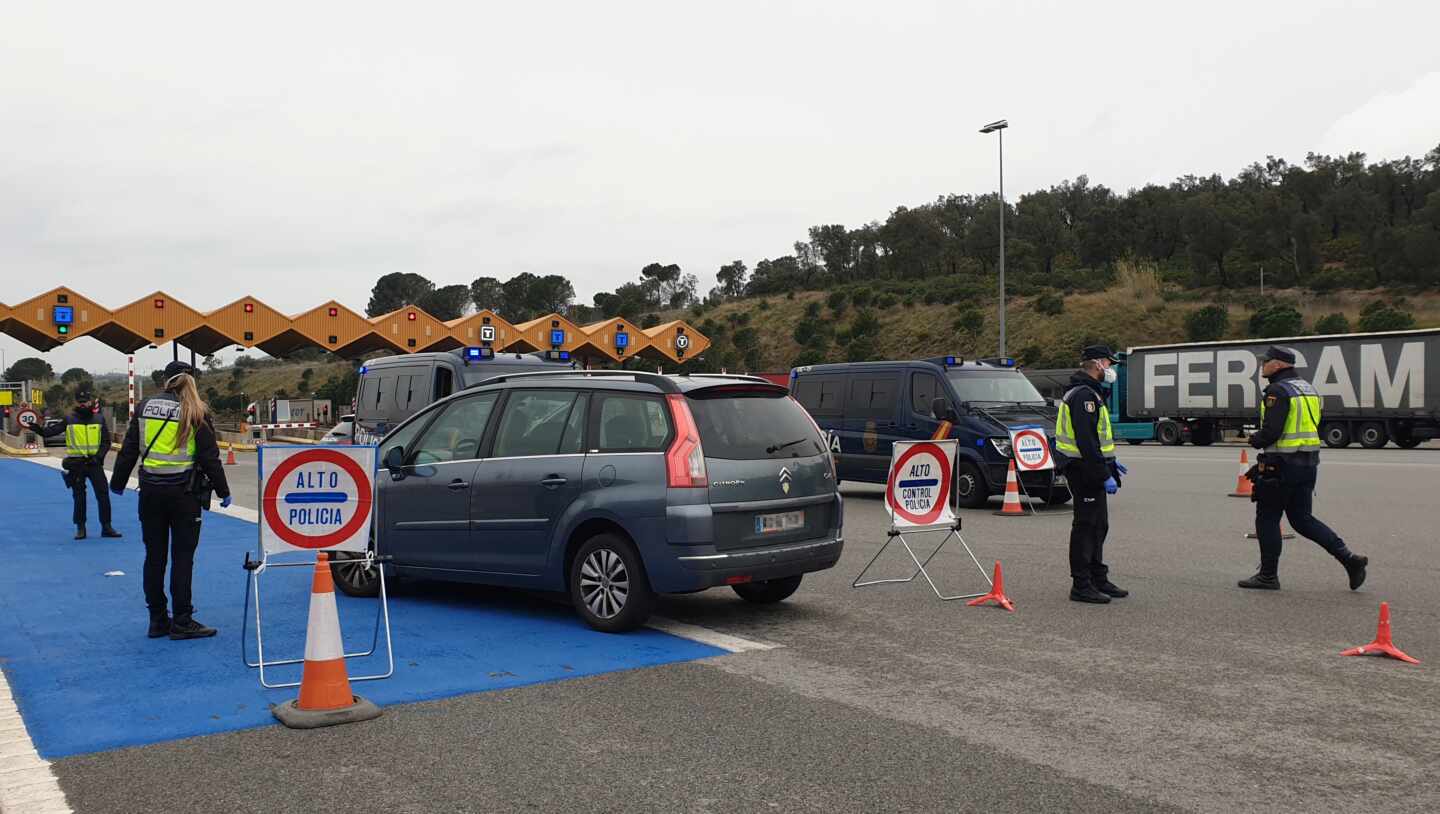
{"x": 557, "y": 355}
{"x": 949, "y": 361}
{"x": 476, "y": 354}
{"x": 363, "y": 369}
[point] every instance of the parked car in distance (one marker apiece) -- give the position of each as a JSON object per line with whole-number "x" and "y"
{"x": 342, "y": 433}
{"x": 610, "y": 485}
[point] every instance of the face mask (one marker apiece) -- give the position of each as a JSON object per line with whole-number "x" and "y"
{"x": 1111, "y": 375}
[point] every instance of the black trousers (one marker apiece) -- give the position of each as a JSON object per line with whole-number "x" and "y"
{"x": 1088, "y": 529}
{"x": 1291, "y": 495}
{"x": 170, "y": 526}
{"x": 95, "y": 473}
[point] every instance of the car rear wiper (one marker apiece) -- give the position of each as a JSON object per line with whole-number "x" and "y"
{"x": 778, "y": 447}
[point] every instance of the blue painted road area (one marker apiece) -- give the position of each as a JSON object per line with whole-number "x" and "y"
{"x": 86, "y": 678}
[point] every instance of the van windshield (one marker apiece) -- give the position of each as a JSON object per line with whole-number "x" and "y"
{"x": 997, "y": 386}
{"x": 745, "y": 426}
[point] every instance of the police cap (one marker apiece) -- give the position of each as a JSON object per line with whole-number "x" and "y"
{"x": 1098, "y": 352}
{"x": 83, "y": 395}
{"x": 1275, "y": 353}
{"x": 176, "y": 368}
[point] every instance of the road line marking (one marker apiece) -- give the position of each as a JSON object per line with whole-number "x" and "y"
{"x": 1324, "y": 462}
{"x": 237, "y": 512}
{"x": 26, "y": 781}
{"x": 704, "y": 635}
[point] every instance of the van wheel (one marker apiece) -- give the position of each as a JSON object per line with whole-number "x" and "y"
{"x": 970, "y": 489}
{"x": 1336, "y": 435}
{"x": 768, "y": 591}
{"x": 1168, "y": 433}
{"x": 608, "y": 586}
{"x": 1373, "y": 435}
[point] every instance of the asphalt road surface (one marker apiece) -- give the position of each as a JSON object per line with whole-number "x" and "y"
{"x": 1189, "y": 695}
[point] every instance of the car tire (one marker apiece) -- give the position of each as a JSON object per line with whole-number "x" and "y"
{"x": 1336, "y": 435}
{"x": 1169, "y": 434}
{"x": 1373, "y": 435}
{"x": 352, "y": 577}
{"x": 770, "y": 591}
{"x": 969, "y": 487}
{"x": 608, "y": 586}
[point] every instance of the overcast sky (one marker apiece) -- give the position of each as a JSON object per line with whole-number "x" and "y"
{"x": 298, "y": 151}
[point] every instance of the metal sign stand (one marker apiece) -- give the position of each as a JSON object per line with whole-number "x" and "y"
{"x": 258, "y": 567}
{"x": 952, "y": 531}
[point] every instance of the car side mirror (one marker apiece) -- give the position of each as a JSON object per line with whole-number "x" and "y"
{"x": 395, "y": 462}
{"x": 941, "y": 409}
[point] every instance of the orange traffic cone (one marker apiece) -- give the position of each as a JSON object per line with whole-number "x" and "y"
{"x": 997, "y": 592}
{"x": 230, "y": 455}
{"x": 1382, "y": 646}
{"x": 1012, "y": 507}
{"x": 325, "y": 697}
{"x": 1243, "y": 486}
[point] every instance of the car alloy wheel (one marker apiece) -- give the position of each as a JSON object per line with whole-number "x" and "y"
{"x": 604, "y": 583}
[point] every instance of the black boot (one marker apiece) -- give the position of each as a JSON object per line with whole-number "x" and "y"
{"x": 1085, "y": 592}
{"x": 185, "y": 627}
{"x": 79, "y": 531}
{"x": 1109, "y": 588}
{"x": 109, "y": 531}
{"x": 159, "y": 625}
{"x": 1355, "y": 567}
{"x": 1261, "y": 582}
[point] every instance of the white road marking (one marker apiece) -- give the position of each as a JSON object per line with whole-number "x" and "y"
{"x": 1324, "y": 461}
{"x": 704, "y": 635}
{"x": 27, "y": 785}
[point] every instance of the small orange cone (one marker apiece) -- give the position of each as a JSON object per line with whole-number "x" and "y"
{"x": 997, "y": 592}
{"x": 1012, "y": 507}
{"x": 1243, "y": 486}
{"x": 1382, "y": 646}
{"x": 230, "y": 455}
{"x": 325, "y": 697}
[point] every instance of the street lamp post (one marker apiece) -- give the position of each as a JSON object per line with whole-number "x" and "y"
{"x": 999, "y": 129}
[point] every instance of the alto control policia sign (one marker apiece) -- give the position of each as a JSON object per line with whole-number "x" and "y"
{"x": 316, "y": 497}
{"x": 1031, "y": 449}
{"x": 918, "y": 490}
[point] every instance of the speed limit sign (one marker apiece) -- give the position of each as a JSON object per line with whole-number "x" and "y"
{"x": 27, "y": 418}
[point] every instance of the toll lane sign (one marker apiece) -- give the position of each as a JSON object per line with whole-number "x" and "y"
{"x": 918, "y": 489}
{"x": 316, "y": 498}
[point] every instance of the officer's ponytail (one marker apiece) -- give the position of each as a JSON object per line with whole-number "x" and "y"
{"x": 192, "y": 408}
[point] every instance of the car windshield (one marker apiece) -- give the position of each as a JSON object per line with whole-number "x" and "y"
{"x": 994, "y": 386}
{"x": 743, "y": 425}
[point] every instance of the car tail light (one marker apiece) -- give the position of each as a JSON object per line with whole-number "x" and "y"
{"x": 824, "y": 439}
{"x": 685, "y": 460}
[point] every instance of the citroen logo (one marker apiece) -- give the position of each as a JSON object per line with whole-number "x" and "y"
{"x": 785, "y": 479}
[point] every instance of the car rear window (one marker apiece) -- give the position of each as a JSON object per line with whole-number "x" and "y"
{"x": 741, "y": 425}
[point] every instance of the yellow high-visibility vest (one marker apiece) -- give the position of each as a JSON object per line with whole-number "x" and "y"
{"x": 82, "y": 440}
{"x": 1302, "y": 423}
{"x": 161, "y": 437}
{"x": 1065, "y": 430}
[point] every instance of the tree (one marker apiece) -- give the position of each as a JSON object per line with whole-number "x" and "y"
{"x": 1050, "y": 304}
{"x": 75, "y": 374}
{"x": 969, "y": 322}
{"x": 446, "y": 302}
{"x": 31, "y": 368}
{"x": 158, "y": 377}
{"x": 1332, "y": 324}
{"x": 731, "y": 277}
{"x": 1384, "y": 316}
{"x": 1209, "y": 233}
{"x": 395, "y": 290}
{"x": 486, "y": 293}
{"x": 212, "y": 363}
{"x": 1207, "y": 324}
{"x": 1276, "y": 320}
{"x": 57, "y": 397}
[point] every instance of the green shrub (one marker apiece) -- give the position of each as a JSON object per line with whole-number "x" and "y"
{"x": 1384, "y": 316}
{"x": 886, "y": 301}
{"x": 864, "y": 324}
{"x": 790, "y": 295}
{"x": 1276, "y": 320}
{"x": 1207, "y": 324}
{"x": 969, "y": 322}
{"x": 862, "y": 349}
{"x": 837, "y": 301}
{"x": 1050, "y": 304}
{"x": 763, "y": 305}
{"x": 812, "y": 310}
{"x": 862, "y": 297}
{"x": 809, "y": 356}
{"x": 1332, "y": 324}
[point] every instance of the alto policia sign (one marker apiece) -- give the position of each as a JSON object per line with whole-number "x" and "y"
{"x": 1031, "y": 449}
{"x": 316, "y": 498}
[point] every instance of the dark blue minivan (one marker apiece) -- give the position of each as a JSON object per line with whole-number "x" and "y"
{"x": 865, "y": 407}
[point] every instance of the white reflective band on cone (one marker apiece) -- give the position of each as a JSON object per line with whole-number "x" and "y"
{"x": 322, "y": 640}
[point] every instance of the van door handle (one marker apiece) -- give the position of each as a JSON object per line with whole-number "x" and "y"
{"x": 457, "y": 484}
{"x": 554, "y": 482}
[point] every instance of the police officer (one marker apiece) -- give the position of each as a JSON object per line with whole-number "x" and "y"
{"x": 170, "y": 437}
{"x": 1285, "y": 475}
{"x": 87, "y": 441}
{"x": 1086, "y": 445}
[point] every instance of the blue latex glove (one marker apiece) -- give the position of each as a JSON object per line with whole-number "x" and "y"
{"x": 1111, "y": 487}
{"x": 225, "y": 502}
{"x": 1122, "y": 468}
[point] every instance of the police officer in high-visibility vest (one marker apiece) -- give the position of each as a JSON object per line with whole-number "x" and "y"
{"x": 1085, "y": 443}
{"x": 1285, "y": 474}
{"x": 87, "y": 441}
{"x": 171, "y": 437}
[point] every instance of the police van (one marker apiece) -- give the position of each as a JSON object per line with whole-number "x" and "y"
{"x": 865, "y": 407}
{"x": 393, "y": 388}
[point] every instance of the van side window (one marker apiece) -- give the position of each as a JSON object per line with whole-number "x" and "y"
{"x": 444, "y": 383}
{"x": 872, "y": 397}
{"x": 924, "y": 389}
{"x": 820, "y": 395}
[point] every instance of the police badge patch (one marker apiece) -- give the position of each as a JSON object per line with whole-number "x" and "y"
{"x": 1089, "y": 406}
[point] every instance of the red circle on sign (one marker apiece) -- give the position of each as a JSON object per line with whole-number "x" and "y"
{"x": 33, "y": 416}
{"x": 928, "y": 517}
{"x": 272, "y": 490}
{"x": 1044, "y": 448}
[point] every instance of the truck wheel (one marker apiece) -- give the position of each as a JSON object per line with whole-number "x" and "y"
{"x": 1202, "y": 433}
{"x": 1373, "y": 435}
{"x": 970, "y": 489}
{"x": 1168, "y": 433}
{"x": 1408, "y": 442}
{"x": 1336, "y": 435}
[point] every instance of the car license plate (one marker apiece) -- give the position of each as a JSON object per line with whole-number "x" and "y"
{"x": 784, "y": 521}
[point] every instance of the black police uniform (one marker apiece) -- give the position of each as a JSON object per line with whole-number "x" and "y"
{"x": 170, "y": 516}
{"x": 1285, "y": 485}
{"x": 90, "y": 468}
{"x": 1086, "y": 476}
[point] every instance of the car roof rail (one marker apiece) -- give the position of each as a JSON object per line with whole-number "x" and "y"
{"x": 744, "y": 377}
{"x": 660, "y": 382}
